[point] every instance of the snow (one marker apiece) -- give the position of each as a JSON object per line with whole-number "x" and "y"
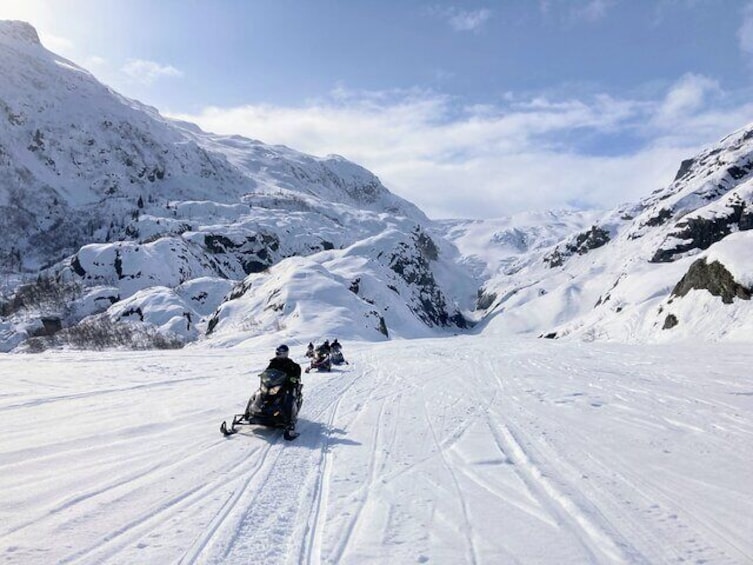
{"x": 734, "y": 253}
{"x": 429, "y": 447}
{"x": 456, "y": 450}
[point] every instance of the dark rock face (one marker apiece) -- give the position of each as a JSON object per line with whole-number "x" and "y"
{"x": 355, "y": 285}
{"x": 485, "y": 299}
{"x": 660, "y": 218}
{"x": 670, "y": 322}
{"x": 383, "y": 327}
{"x": 702, "y": 233}
{"x": 411, "y": 261}
{"x": 684, "y": 169}
{"x": 50, "y": 326}
{"x": 580, "y": 244}
{"x": 713, "y": 277}
{"x": 255, "y": 253}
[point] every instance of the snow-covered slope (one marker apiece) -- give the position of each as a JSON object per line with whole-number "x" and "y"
{"x": 144, "y": 205}
{"x": 78, "y": 162}
{"x": 619, "y": 279}
{"x": 455, "y": 450}
{"x": 127, "y": 209}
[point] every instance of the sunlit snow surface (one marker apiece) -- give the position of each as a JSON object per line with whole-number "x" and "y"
{"x": 457, "y": 450}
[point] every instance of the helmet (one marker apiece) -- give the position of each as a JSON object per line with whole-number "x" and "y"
{"x": 282, "y": 350}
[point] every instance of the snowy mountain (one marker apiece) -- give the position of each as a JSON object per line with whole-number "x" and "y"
{"x": 673, "y": 266}
{"x": 80, "y": 163}
{"x": 143, "y": 207}
{"x": 151, "y": 223}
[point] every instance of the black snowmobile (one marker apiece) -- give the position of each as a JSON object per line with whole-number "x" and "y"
{"x": 337, "y": 357}
{"x": 322, "y": 362}
{"x": 275, "y": 404}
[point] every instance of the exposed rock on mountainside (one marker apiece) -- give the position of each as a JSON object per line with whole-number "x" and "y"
{"x": 713, "y": 277}
{"x": 581, "y": 244}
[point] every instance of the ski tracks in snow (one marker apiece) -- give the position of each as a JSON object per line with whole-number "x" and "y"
{"x": 441, "y": 451}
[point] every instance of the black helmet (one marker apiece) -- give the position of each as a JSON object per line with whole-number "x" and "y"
{"x": 283, "y": 349}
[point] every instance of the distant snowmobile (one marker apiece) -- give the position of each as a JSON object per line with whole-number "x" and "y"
{"x": 310, "y": 350}
{"x": 276, "y": 404}
{"x": 321, "y": 362}
{"x": 337, "y": 355}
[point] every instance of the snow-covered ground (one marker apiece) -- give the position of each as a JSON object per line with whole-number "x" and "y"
{"x": 457, "y": 450}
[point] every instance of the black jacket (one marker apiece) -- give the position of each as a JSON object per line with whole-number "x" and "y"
{"x": 287, "y": 366}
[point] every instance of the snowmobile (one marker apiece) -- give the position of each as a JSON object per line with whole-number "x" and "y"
{"x": 322, "y": 362}
{"x": 275, "y": 404}
{"x": 337, "y": 357}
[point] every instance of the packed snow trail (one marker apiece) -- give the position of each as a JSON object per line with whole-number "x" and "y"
{"x": 457, "y": 450}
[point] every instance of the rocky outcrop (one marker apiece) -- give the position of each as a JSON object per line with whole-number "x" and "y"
{"x": 713, "y": 277}
{"x": 581, "y": 244}
{"x": 411, "y": 260}
{"x": 701, "y": 232}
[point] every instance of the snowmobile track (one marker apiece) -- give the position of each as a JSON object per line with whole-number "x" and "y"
{"x": 311, "y": 548}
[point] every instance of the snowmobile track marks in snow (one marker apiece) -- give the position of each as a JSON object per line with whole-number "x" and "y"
{"x": 311, "y": 548}
{"x": 227, "y": 508}
{"x": 471, "y": 550}
{"x": 143, "y": 523}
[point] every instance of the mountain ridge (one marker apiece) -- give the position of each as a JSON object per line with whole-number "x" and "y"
{"x": 144, "y": 220}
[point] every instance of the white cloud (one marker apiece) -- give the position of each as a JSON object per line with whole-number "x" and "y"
{"x": 146, "y": 72}
{"x": 570, "y": 11}
{"x": 94, "y": 62}
{"x": 56, "y": 43}
{"x": 469, "y": 21}
{"x": 491, "y": 160}
{"x": 593, "y": 10}
{"x": 462, "y": 20}
{"x": 684, "y": 99}
{"x": 745, "y": 33}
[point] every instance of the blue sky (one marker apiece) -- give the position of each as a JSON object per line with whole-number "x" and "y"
{"x": 472, "y": 109}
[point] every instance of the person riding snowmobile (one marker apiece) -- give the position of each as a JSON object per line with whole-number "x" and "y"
{"x": 337, "y": 354}
{"x": 281, "y": 362}
{"x": 277, "y": 401}
{"x": 321, "y": 360}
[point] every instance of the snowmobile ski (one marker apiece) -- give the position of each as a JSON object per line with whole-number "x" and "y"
{"x": 237, "y": 419}
{"x": 290, "y": 434}
{"x": 225, "y": 431}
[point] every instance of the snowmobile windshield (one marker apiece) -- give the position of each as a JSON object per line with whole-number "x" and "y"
{"x": 272, "y": 378}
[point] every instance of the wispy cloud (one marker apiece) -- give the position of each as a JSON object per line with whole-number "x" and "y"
{"x": 462, "y": 20}
{"x": 56, "y": 43}
{"x": 686, "y": 97}
{"x": 526, "y": 152}
{"x": 570, "y": 11}
{"x": 745, "y": 32}
{"x": 593, "y": 10}
{"x": 146, "y": 72}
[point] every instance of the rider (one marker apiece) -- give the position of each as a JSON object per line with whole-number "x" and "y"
{"x": 310, "y": 350}
{"x": 282, "y": 362}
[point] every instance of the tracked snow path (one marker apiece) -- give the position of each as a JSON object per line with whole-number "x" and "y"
{"x": 461, "y": 450}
